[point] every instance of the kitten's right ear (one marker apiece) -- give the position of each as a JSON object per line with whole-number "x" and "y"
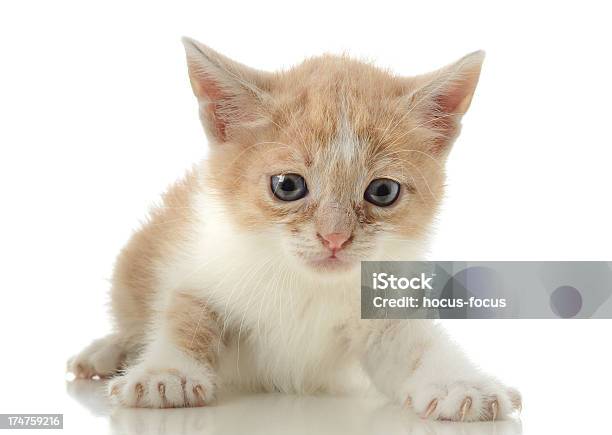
{"x": 444, "y": 96}
{"x": 230, "y": 94}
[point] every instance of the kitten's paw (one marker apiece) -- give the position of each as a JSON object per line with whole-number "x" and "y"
{"x": 102, "y": 358}
{"x": 481, "y": 400}
{"x": 165, "y": 388}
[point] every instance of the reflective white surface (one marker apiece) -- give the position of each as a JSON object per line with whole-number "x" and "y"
{"x": 275, "y": 414}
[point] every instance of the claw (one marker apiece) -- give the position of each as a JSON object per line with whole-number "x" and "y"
{"x": 515, "y": 398}
{"x": 82, "y": 372}
{"x": 431, "y": 408}
{"x": 408, "y": 402}
{"x": 183, "y": 384}
{"x": 198, "y": 391}
{"x": 161, "y": 387}
{"x": 494, "y": 409}
{"x": 139, "y": 391}
{"x": 465, "y": 407}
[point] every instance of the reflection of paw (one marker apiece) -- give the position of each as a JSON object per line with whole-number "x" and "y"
{"x": 167, "y": 388}
{"x": 480, "y": 400}
{"x": 101, "y": 358}
{"x": 151, "y": 421}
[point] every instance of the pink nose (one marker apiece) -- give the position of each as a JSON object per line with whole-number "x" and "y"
{"x": 335, "y": 241}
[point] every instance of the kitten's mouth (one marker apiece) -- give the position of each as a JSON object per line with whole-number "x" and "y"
{"x": 331, "y": 263}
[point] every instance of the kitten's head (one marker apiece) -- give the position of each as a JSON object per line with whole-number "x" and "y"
{"x": 342, "y": 161}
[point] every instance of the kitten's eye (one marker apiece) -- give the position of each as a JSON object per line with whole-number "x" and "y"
{"x": 288, "y": 187}
{"x": 382, "y": 192}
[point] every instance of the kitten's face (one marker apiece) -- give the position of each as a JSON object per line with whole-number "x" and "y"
{"x": 337, "y": 160}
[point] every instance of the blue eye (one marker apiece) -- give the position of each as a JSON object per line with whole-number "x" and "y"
{"x": 288, "y": 187}
{"x": 382, "y": 192}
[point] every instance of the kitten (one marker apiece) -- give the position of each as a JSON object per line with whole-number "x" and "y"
{"x": 248, "y": 275}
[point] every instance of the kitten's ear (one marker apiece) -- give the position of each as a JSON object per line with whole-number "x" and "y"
{"x": 443, "y": 96}
{"x": 230, "y": 94}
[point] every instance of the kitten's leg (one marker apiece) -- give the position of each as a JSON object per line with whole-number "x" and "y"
{"x": 414, "y": 363}
{"x": 177, "y": 367}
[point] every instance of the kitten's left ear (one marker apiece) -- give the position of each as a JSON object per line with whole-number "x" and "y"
{"x": 443, "y": 96}
{"x": 231, "y": 95}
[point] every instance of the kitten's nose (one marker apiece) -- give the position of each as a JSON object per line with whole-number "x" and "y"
{"x": 335, "y": 241}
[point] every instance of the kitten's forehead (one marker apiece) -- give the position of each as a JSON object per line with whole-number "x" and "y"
{"x": 330, "y": 92}
{"x": 340, "y": 110}
{"x": 344, "y": 123}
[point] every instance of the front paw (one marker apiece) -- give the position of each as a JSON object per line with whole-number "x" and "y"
{"x": 143, "y": 387}
{"x": 475, "y": 400}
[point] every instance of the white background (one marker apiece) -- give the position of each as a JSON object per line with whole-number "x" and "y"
{"x": 97, "y": 118}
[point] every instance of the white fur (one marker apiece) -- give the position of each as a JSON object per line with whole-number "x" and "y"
{"x": 295, "y": 332}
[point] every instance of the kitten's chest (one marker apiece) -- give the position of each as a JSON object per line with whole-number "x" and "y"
{"x": 293, "y": 346}
{"x": 299, "y": 320}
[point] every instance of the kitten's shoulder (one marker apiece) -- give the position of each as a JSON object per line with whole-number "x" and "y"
{"x": 182, "y": 192}
{"x": 169, "y": 221}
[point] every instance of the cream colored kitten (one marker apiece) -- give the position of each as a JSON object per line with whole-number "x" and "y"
{"x": 248, "y": 275}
